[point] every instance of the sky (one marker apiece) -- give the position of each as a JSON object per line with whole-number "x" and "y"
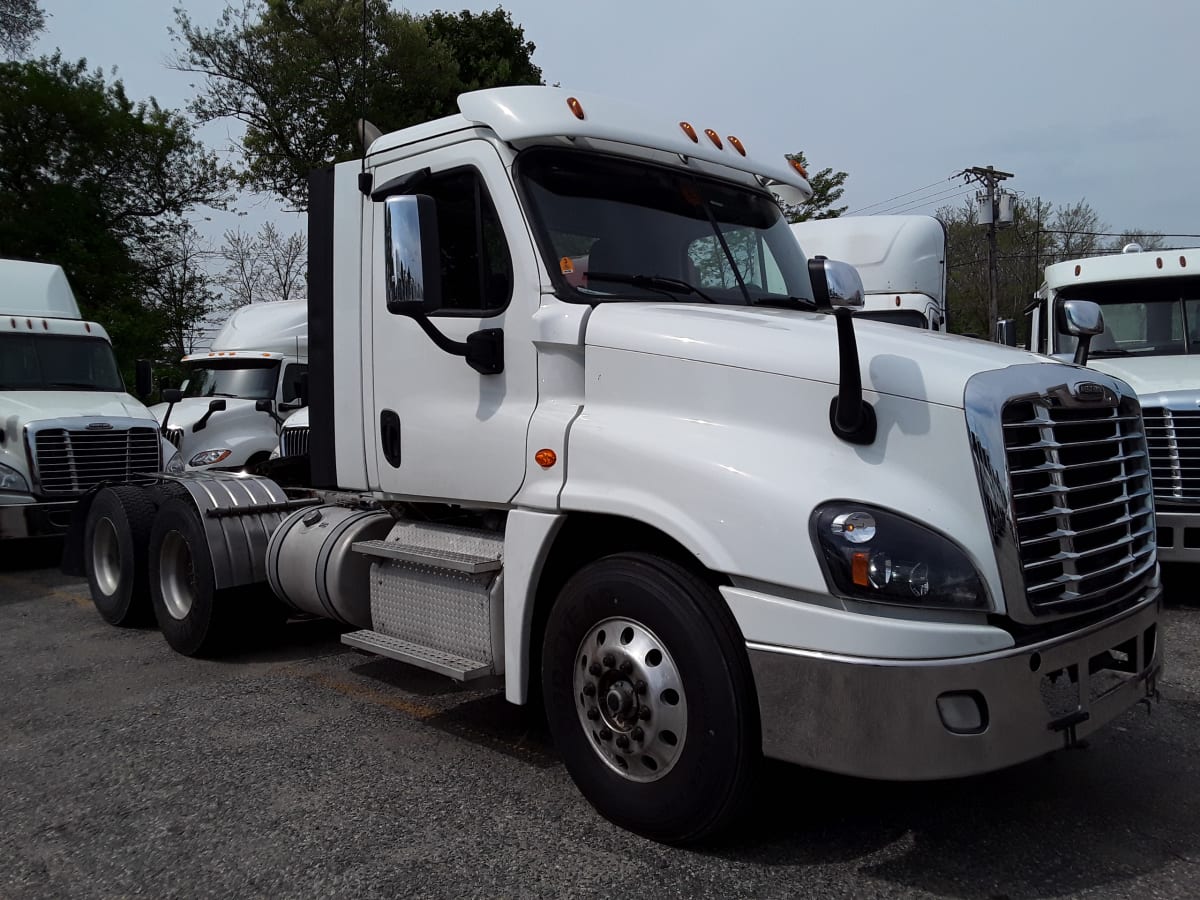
{"x": 1093, "y": 100}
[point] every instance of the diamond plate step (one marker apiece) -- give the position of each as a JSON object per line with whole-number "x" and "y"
{"x": 436, "y": 557}
{"x": 456, "y": 667}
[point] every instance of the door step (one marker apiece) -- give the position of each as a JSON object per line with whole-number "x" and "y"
{"x": 434, "y": 557}
{"x": 457, "y": 667}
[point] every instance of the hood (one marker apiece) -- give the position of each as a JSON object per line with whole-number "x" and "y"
{"x": 894, "y": 359}
{"x": 1149, "y": 375}
{"x": 30, "y": 406}
{"x": 190, "y": 410}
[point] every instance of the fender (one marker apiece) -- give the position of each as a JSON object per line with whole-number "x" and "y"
{"x": 528, "y": 536}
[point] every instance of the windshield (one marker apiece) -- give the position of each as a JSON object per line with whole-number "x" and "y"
{"x": 55, "y": 362}
{"x": 618, "y": 229}
{"x": 1159, "y": 317}
{"x": 909, "y": 317}
{"x": 247, "y": 379}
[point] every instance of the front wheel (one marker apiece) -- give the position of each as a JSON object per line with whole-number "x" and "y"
{"x": 650, "y": 698}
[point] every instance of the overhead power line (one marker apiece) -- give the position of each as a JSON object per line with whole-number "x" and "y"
{"x": 940, "y": 198}
{"x": 897, "y": 197}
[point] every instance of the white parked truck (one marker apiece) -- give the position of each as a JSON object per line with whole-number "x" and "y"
{"x": 1151, "y": 340}
{"x": 689, "y": 503}
{"x": 238, "y": 393}
{"x": 901, "y": 259}
{"x": 66, "y": 421}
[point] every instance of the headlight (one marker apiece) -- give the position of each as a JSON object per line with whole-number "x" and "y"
{"x": 872, "y": 554}
{"x": 12, "y": 481}
{"x": 209, "y": 457}
{"x": 174, "y": 465}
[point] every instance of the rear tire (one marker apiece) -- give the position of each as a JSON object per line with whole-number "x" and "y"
{"x": 650, "y": 697}
{"x": 115, "y": 559}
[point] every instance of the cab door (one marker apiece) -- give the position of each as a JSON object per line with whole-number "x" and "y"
{"x": 442, "y": 430}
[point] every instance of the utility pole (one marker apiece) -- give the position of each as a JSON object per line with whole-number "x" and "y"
{"x": 989, "y": 177}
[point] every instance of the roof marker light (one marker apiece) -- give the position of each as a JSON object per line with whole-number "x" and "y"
{"x": 29, "y": 323}
{"x": 1158, "y": 262}
{"x": 1183, "y": 262}
{"x": 45, "y": 325}
{"x": 799, "y": 167}
{"x": 897, "y": 301}
{"x": 689, "y": 131}
{"x": 88, "y": 326}
{"x": 575, "y": 107}
{"x": 1078, "y": 269}
{"x": 715, "y": 138}
{"x": 736, "y": 144}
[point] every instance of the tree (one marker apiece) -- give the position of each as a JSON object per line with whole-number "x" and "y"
{"x": 88, "y": 178}
{"x": 264, "y": 267}
{"x": 20, "y": 22}
{"x": 827, "y": 187}
{"x": 299, "y": 74}
{"x": 180, "y": 292}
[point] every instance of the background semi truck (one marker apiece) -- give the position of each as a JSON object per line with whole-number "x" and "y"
{"x": 1151, "y": 340}
{"x": 238, "y": 393}
{"x": 901, "y": 259}
{"x": 66, "y": 421}
{"x": 690, "y": 504}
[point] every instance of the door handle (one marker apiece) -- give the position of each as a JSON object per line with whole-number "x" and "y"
{"x": 389, "y": 437}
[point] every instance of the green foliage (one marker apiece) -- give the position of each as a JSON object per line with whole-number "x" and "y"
{"x": 827, "y": 186}
{"x": 20, "y": 22}
{"x": 88, "y": 178}
{"x": 300, "y": 73}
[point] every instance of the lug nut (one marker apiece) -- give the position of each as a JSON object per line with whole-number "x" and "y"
{"x": 609, "y": 660}
{"x": 640, "y": 686}
{"x": 644, "y": 713}
{"x": 637, "y": 734}
{"x": 626, "y": 667}
{"x": 593, "y": 714}
{"x": 605, "y": 734}
{"x": 595, "y": 669}
{"x": 622, "y": 742}
{"x": 589, "y": 690}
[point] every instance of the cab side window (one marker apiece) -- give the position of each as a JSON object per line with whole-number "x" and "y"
{"x": 476, "y": 265}
{"x": 290, "y": 388}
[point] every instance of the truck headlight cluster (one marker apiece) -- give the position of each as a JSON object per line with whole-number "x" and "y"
{"x": 872, "y": 554}
{"x": 12, "y": 481}
{"x": 209, "y": 457}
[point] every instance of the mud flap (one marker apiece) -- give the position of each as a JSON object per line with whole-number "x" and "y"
{"x": 72, "y": 558}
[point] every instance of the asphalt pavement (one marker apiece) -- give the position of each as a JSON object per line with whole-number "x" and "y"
{"x": 305, "y": 769}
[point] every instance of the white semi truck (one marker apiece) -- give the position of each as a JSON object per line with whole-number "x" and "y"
{"x": 1151, "y": 340}
{"x": 66, "y": 421}
{"x": 688, "y": 503}
{"x": 238, "y": 393}
{"x": 901, "y": 259}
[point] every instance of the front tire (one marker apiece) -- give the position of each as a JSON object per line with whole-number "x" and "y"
{"x": 115, "y": 559}
{"x": 649, "y": 697}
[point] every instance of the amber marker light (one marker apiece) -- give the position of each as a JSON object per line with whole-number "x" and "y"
{"x": 1158, "y": 262}
{"x": 575, "y": 107}
{"x": 689, "y": 131}
{"x": 715, "y": 138}
{"x": 545, "y": 458}
{"x": 860, "y": 564}
{"x": 1078, "y": 269}
{"x": 736, "y": 145}
{"x": 795, "y": 164}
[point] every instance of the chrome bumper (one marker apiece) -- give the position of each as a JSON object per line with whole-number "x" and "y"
{"x": 27, "y": 520}
{"x": 1178, "y": 535}
{"x": 877, "y": 718}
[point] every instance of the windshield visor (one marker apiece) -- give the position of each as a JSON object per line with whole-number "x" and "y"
{"x": 648, "y": 225}
{"x": 1159, "y": 317}
{"x": 245, "y": 379}
{"x": 51, "y": 362}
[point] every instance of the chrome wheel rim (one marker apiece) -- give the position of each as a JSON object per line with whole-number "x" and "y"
{"x": 106, "y": 557}
{"x": 630, "y": 699}
{"x": 176, "y": 575}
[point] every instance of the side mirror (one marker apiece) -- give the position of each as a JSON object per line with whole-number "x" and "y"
{"x": 291, "y": 404}
{"x": 1083, "y": 320}
{"x": 143, "y": 382}
{"x": 302, "y": 389}
{"x": 1006, "y": 332}
{"x": 836, "y": 284}
{"x": 412, "y": 260}
{"x": 214, "y": 406}
{"x": 171, "y": 395}
{"x": 262, "y": 406}
{"x": 269, "y": 408}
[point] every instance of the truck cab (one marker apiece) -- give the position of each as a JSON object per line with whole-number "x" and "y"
{"x": 238, "y": 393}
{"x": 67, "y": 423}
{"x": 901, "y": 259}
{"x": 1151, "y": 340}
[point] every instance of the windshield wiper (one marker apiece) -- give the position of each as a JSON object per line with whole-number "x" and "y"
{"x": 786, "y": 303}
{"x": 654, "y": 282}
{"x": 1108, "y": 351}
{"x": 80, "y": 385}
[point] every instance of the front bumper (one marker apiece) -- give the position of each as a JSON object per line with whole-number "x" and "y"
{"x": 1178, "y": 535}
{"x": 34, "y": 519}
{"x": 878, "y": 718}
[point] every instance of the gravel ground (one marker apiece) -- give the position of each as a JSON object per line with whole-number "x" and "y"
{"x": 306, "y": 769}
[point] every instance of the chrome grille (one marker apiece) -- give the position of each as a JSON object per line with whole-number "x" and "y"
{"x": 71, "y": 461}
{"x": 1081, "y": 498}
{"x": 294, "y": 441}
{"x": 1173, "y": 437}
{"x": 175, "y": 436}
